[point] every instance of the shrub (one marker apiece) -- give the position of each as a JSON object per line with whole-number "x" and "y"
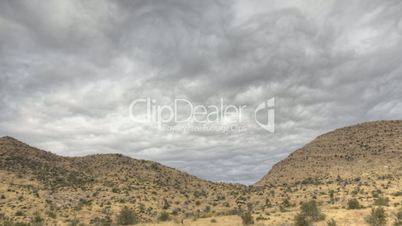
{"x": 331, "y": 222}
{"x": 398, "y": 193}
{"x": 286, "y": 203}
{"x": 10, "y": 223}
{"x": 376, "y": 193}
{"x": 51, "y": 214}
{"x": 19, "y": 213}
{"x": 37, "y": 220}
{"x": 101, "y": 221}
{"x": 353, "y": 204}
{"x": 398, "y": 219}
{"x": 115, "y": 190}
{"x": 165, "y": 204}
{"x": 127, "y": 216}
{"x": 213, "y": 220}
{"x": 381, "y": 201}
{"x": 309, "y": 212}
{"x": 332, "y": 196}
{"x": 164, "y": 216}
{"x": 247, "y": 218}
{"x": 302, "y": 220}
{"x": 260, "y": 218}
{"x": 310, "y": 209}
{"x": 377, "y": 217}
{"x": 74, "y": 222}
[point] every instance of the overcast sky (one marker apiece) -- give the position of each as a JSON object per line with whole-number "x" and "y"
{"x": 70, "y": 69}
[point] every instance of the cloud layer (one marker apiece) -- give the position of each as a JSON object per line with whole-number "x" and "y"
{"x": 70, "y": 69}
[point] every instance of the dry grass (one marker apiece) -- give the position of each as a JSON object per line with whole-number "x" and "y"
{"x": 86, "y": 188}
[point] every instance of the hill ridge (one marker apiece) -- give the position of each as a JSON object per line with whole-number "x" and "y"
{"x": 353, "y": 144}
{"x": 94, "y": 188}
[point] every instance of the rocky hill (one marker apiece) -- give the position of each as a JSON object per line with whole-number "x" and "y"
{"x": 95, "y": 188}
{"x": 371, "y": 149}
{"x": 362, "y": 163}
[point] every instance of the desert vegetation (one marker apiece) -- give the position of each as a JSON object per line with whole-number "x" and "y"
{"x": 40, "y": 188}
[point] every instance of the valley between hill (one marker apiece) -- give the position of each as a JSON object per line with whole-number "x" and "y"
{"x": 344, "y": 173}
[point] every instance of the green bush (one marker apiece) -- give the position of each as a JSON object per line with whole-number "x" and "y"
{"x": 127, "y": 217}
{"x": 353, "y": 204}
{"x": 164, "y": 216}
{"x": 309, "y": 213}
{"x": 302, "y": 220}
{"x": 377, "y": 217}
{"x": 247, "y": 218}
{"x": 310, "y": 209}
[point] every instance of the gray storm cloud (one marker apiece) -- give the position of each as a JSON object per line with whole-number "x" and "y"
{"x": 70, "y": 69}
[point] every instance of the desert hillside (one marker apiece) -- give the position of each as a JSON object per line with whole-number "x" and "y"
{"x": 348, "y": 173}
{"x": 339, "y": 177}
{"x": 365, "y": 150}
{"x": 94, "y": 188}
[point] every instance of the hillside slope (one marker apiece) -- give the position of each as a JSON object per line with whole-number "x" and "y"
{"x": 365, "y": 150}
{"x": 361, "y": 162}
{"x": 96, "y": 187}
